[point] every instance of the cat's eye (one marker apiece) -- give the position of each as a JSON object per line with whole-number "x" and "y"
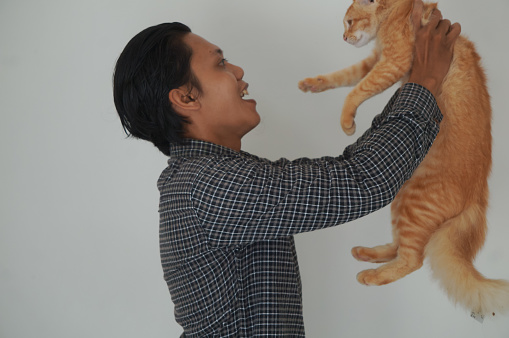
{"x": 349, "y": 22}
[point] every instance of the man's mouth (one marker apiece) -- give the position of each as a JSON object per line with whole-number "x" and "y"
{"x": 244, "y": 90}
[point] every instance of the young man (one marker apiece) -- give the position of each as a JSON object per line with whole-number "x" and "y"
{"x": 227, "y": 217}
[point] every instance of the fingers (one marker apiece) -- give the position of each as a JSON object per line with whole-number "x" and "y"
{"x": 444, "y": 26}
{"x": 451, "y": 32}
{"x": 434, "y": 18}
{"x": 454, "y": 31}
{"x": 417, "y": 14}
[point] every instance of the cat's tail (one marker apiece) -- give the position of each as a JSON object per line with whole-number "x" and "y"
{"x": 451, "y": 251}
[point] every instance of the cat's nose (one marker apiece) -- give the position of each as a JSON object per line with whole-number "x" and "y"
{"x": 344, "y": 37}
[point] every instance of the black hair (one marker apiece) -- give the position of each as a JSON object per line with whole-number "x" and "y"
{"x": 153, "y": 62}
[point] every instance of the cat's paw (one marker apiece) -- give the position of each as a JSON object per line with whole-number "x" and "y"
{"x": 371, "y": 277}
{"x": 347, "y": 118}
{"x": 315, "y": 84}
{"x": 389, "y": 272}
{"x": 378, "y": 254}
{"x": 359, "y": 254}
{"x": 367, "y": 277}
{"x": 348, "y": 126}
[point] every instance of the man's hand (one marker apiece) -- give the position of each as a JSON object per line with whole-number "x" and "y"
{"x": 434, "y": 46}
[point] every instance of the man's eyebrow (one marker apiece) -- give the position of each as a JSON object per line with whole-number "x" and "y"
{"x": 219, "y": 51}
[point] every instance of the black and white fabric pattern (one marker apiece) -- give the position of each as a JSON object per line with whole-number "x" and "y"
{"x": 227, "y": 218}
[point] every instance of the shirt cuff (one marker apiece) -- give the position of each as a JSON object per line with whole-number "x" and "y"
{"x": 414, "y": 97}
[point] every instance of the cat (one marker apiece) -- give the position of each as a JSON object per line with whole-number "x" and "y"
{"x": 440, "y": 213}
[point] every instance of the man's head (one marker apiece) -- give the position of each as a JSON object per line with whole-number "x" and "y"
{"x": 170, "y": 84}
{"x": 153, "y": 63}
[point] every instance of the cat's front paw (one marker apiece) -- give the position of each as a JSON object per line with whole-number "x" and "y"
{"x": 347, "y": 118}
{"x": 315, "y": 84}
{"x": 348, "y": 126}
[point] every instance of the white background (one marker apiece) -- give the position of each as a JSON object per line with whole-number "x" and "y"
{"x": 79, "y": 253}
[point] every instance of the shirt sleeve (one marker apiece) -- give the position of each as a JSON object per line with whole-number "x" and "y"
{"x": 244, "y": 199}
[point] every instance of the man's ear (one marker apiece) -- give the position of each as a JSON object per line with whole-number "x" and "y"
{"x": 183, "y": 100}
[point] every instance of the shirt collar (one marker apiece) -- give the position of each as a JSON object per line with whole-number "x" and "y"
{"x": 198, "y": 148}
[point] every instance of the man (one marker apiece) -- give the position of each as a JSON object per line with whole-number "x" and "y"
{"x": 227, "y": 217}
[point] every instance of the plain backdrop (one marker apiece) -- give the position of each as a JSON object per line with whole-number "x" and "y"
{"x": 79, "y": 253}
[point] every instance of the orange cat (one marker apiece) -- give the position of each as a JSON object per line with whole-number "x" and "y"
{"x": 440, "y": 213}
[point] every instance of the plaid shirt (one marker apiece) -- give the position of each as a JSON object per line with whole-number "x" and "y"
{"x": 227, "y": 218}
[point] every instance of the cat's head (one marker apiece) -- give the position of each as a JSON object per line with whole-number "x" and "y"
{"x": 362, "y": 20}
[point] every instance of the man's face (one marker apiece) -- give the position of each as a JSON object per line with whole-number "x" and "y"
{"x": 224, "y": 113}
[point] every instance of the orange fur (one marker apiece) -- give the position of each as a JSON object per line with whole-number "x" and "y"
{"x": 440, "y": 213}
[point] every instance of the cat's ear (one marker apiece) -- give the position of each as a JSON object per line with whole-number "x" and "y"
{"x": 366, "y": 2}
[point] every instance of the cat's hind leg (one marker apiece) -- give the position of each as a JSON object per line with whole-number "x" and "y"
{"x": 410, "y": 257}
{"x": 382, "y": 253}
{"x": 378, "y": 254}
{"x": 397, "y": 268}
{"x": 415, "y": 223}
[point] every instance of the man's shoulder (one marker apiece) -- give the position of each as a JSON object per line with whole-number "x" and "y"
{"x": 213, "y": 167}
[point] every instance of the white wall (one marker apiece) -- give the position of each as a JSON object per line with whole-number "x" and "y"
{"x": 79, "y": 225}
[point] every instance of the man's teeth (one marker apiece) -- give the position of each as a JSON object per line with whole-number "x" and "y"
{"x": 244, "y": 92}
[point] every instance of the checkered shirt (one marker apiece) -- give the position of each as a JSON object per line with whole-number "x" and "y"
{"x": 227, "y": 218}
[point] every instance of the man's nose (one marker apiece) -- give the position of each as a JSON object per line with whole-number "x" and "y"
{"x": 237, "y": 71}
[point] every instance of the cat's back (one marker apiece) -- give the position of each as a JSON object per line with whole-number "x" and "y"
{"x": 465, "y": 87}
{"x": 467, "y": 64}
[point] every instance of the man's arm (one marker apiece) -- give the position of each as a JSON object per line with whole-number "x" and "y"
{"x": 241, "y": 199}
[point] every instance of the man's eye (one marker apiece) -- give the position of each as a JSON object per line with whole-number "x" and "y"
{"x": 223, "y": 62}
